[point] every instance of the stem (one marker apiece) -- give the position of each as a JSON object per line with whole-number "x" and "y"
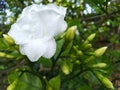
{"x": 74, "y": 76}
{"x": 31, "y": 65}
{"x": 54, "y": 60}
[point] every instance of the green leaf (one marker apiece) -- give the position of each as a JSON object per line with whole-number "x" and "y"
{"x": 45, "y": 62}
{"x": 85, "y": 87}
{"x": 13, "y": 75}
{"x": 55, "y": 83}
{"x": 59, "y": 46}
{"x": 27, "y": 81}
{"x": 67, "y": 48}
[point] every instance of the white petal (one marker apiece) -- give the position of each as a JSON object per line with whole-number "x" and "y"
{"x": 53, "y": 21}
{"x": 51, "y": 48}
{"x": 37, "y": 48}
{"x": 18, "y": 35}
{"x": 37, "y": 22}
{"x": 29, "y": 11}
{"x": 34, "y": 49}
{"x": 28, "y": 26}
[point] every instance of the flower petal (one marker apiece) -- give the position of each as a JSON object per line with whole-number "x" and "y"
{"x": 37, "y": 48}
{"x": 53, "y": 21}
{"x": 18, "y": 35}
{"x": 38, "y": 21}
{"x": 51, "y": 48}
{"x": 34, "y": 49}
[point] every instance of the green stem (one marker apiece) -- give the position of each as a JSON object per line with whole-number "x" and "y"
{"x": 31, "y": 65}
{"x": 74, "y": 76}
{"x": 54, "y": 60}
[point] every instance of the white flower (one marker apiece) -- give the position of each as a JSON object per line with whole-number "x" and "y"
{"x": 35, "y": 29}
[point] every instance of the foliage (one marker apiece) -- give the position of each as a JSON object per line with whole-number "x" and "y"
{"x": 81, "y": 61}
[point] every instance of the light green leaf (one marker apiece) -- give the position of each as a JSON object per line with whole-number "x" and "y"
{"x": 27, "y": 81}
{"x": 59, "y": 46}
{"x": 55, "y": 83}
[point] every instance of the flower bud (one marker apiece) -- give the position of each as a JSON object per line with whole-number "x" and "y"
{"x": 85, "y": 43}
{"x": 10, "y": 56}
{"x": 80, "y": 53}
{"x": 8, "y": 39}
{"x": 78, "y": 62}
{"x": 99, "y": 65}
{"x": 66, "y": 67}
{"x": 105, "y": 81}
{"x": 70, "y": 33}
{"x": 89, "y": 59}
{"x": 49, "y": 87}
{"x": 99, "y": 52}
{"x": 88, "y": 46}
{"x": 72, "y": 56}
{"x": 75, "y": 48}
{"x": 103, "y": 71}
{"x": 2, "y": 54}
{"x": 91, "y": 37}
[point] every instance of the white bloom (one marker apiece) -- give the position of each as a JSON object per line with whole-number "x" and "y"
{"x": 34, "y": 31}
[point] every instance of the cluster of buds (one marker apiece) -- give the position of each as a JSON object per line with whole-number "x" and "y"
{"x": 85, "y": 56}
{"x": 10, "y": 43}
{"x": 86, "y": 44}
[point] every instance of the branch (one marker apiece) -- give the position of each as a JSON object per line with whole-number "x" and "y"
{"x": 12, "y": 68}
{"x": 103, "y": 15}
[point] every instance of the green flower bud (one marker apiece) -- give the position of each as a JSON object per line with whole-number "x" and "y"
{"x": 78, "y": 62}
{"x": 72, "y": 56}
{"x": 49, "y": 87}
{"x": 80, "y": 53}
{"x": 99, "y": 52}
{"x": 87, "y": 46}
{"x": 2, "y": 54}
{"x": 86, "y": 42}
{"x": 8, "y": 39}
{"x": 10, "y": 56}
{"x": 75, "y": 48}
{"x": 89, "y": 59}
{"x": 99, "y": 65}
{"x": 91, "y": 37}
{"x": 66, "y": 67}
{"x": 105, "y": 81}
{"x": 103, "y": 71}
{"x": 70, "y": 33}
